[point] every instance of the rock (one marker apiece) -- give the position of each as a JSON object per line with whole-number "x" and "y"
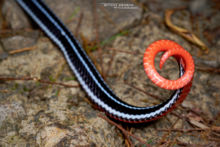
{"x": 14, "y": 16}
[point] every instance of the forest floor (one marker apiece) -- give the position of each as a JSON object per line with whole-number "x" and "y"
{"x": 42, "y": 104}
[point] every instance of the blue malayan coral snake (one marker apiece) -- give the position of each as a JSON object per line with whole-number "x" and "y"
{"x": 90, "y": 79}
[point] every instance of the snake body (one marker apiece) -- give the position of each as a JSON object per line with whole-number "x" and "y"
{"x": 92, "y": 82}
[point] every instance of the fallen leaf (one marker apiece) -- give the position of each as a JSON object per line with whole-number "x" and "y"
{"x": 184, "y": 32}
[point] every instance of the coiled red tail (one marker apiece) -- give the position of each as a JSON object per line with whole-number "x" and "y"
{"x": 170, "y": 48}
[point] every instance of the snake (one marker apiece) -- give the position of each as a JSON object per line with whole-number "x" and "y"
{"x": 93, "y": 83}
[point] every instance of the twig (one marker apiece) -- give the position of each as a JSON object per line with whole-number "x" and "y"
{"x": 214, "y": 139}
{"x": 141, "y": 90}
{"x": 212, "y": 70}
{"x": 107, "y": 16}
{"x": 123, "y": 130}
{"x": 10, "y": 32}
{"x": 110, "y": 64}
{"x": 128, "y": 141}
{"x": 95, "y": 24}
{"x": 96, "y": 29}
{"x": 78, "y": 24}
{"x": 121, "y": 51}
{"x": 37, "y": 80}
{"x": 22, "y": 50}
{"x": 183, "y": 130}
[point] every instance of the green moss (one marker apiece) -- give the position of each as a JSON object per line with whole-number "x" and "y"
{"x": 108, "y": 40}
{"x": 15, "y": 86}
{"x": 149, "y": 141}
{"x": 52, "y": 79}
{"x": 69, "y": 78}
{"x": 25, "y": 89}
{"x": 75, "y": 12}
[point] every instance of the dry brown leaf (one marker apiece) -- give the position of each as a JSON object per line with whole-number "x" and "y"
{"x": 198, "y": 124}
{"x": 193, "y": 116}
{"x": 216, "y": 128}
{"x": 196, "y": 120}
{"x": 183, "y": 32}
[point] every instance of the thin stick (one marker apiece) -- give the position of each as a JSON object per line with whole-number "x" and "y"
{"x": 183, "y": 130}
{"x": 123, "y": 130}
{"x": 141, "y": 90}
{"x": 209, "y": 69}
{"x": 37, "y": 80}
{"x": 123, "y": 51}
{"x": 78, "y": 24}
{"x": 22, "y": 50}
